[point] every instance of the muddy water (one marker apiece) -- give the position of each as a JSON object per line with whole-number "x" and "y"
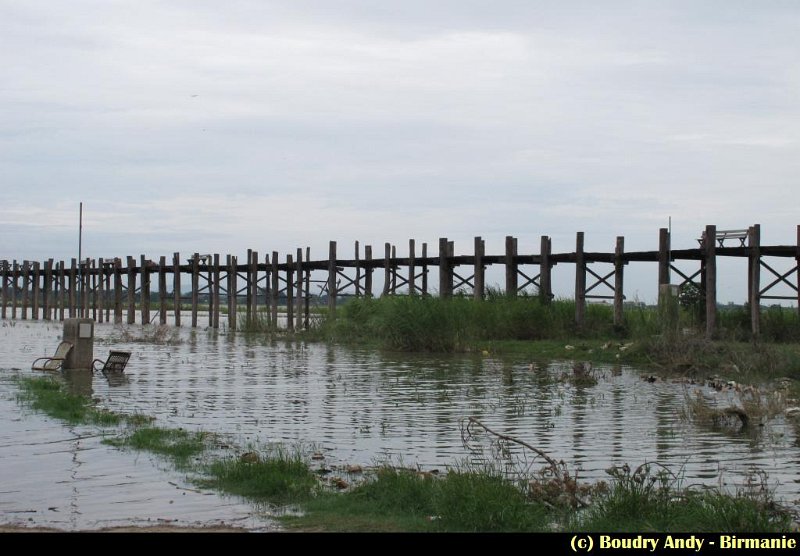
{"x": 359, "y": 407}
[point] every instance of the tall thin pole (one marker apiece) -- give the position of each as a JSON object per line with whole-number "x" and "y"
{"x": 80, "y": 248}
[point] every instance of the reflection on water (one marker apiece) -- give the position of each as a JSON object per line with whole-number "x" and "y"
{"x": 360, "y": 406}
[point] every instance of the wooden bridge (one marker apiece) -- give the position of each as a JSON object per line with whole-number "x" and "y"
{"x": 98, "y": 288}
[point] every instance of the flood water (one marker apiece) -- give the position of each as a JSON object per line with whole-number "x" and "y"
{"x": 356, "y": 407}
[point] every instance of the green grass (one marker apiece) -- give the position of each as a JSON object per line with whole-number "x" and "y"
{"x": 179, "y": 445}
{"x": 650, "y": 498}
{"x": 47, "y": 395}
{"x": 280, "y": 478}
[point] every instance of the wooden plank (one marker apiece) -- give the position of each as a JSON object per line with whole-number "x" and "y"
{"x": 299, "y": 289}
{"x": 754, "y": 279}
{"x": 663, "y": 256}
{"x": 176, "y": 287}
{"x": 711, "y": 281}
{"x": 215, "y": 322}
{"x": 619, "y": 266}
{"x": 580, "y": 282}
{"x": 479, "y": 271}
{"x": 445, "y": 270}
{"x": 117, "y": 291}
{"x": 368, "y": 271}
{"x": 545, "y": 271}
{"x": 289, "y": 293}
{"x": 162, "y": 290}
{"x": 412, "y": 268}
{"x": 332, "y": 286}
{"x": 195, "y": 287}
{"x": 511, "y": 266}
{"x": 276, "y": 290}
{"x": 36, "y": 290}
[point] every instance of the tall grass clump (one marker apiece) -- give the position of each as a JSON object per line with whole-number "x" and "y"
{"x": 280, "y": 477}
{"x": 651, "y": 498}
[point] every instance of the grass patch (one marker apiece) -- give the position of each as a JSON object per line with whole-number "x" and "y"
{"x": 178, "y": 445}
{"x": 650, "y": 498}
{"x": 47, "y": 395}
{"x": 280, "y": 478}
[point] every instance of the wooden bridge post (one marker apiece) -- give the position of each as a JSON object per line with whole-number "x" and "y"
{"x": 248, "y": 301}
{"x": 101, "y": 275}
{"x": 711, "y": 280}
{"x": 253, "y": 283}
{"x": 215, "y": 323}
{"x": 73, "y": 289}
{"x": 332, "y": 287}
{"x": 276, "y": 289}
{"x": 298, "y": 300}
{"x": 545, "y": 271}
{"x": 511, "y": 266}
{"x": 289, "y": 293}
{"x": 232, "y": 289}
{"x": 358, "y": 270}
{"x": 93, "y": 279}
{"x": 797, "y": 263}
{"x": 145, "y": 290}
{"x": 394, "y": 269}
{"x": 663, "y": 256}
{"x": 14, "y": 284}
{"x": 580, "y": 282}
{"x": 368, "y": 270}
{"x": 6, "y": 277}
{"x": 307, "y": 300}
{"x": 25, "y": 273}
{"x": 176, "y": 287}
{"x": 412, "y": 267}
{"x": 47, "y": 289}
{"x": 117, "y": 291}
{"x": 387, "y": 276}
{"x": 107, "y": 300}
{"x": 62, "y": 290}
{"x": 162, "y": 290}
{"x": 424, "y": 269}
{"x": 195, "y": 287}
{"x": 479, "y": 270}
{"x": 445, "y": 269}
{"x": 35, "y": 282}
{"x": 131, "y": 269}
{"x": 754, "y": 278}
{"x": 619, "y": 296}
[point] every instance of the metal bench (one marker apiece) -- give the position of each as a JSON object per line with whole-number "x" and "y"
{"x": 53, "y": 363}
{"x": 116, "y": 362}
{"x": 722, "y": 235}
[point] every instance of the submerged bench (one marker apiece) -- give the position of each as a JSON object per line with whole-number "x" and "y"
{"x": 116, "y": 362}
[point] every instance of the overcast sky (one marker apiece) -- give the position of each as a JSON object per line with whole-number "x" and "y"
{"x": 220, "y": 126}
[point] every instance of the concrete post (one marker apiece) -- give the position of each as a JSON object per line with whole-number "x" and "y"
{"x": 80, "y": 333}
